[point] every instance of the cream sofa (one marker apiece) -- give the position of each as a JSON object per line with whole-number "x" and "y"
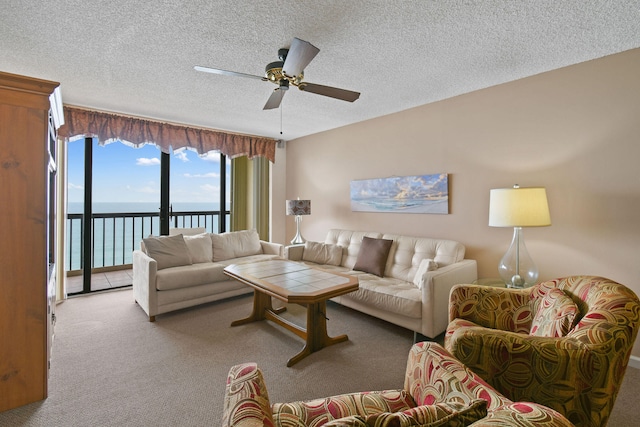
{"x": 411, "y": 287}
{"x": 179, "y": 271}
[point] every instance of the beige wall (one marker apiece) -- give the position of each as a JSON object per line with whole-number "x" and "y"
{"x": 575, "y": 131}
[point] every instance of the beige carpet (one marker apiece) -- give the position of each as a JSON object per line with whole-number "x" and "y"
{"x": 111, "y": 367}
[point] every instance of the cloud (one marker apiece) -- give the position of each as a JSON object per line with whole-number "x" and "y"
{"x": 142, "y": 161}
{"x": 208, "y": 188}
{"x": 181, "y": 155}
{"x": 150, "y": 188}
{"x": 211, "y": 156}
{"x": 202, "y": 175}
{"x": 72, "y": 186}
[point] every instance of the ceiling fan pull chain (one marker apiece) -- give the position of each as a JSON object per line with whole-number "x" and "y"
{"x": 280, "y": 118}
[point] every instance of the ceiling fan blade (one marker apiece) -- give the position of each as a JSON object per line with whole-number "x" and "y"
{"x": 275, "y": 99}
{"x": 332, "y": 92}
{"x": 300, "y": 55}
{"x": 227, "y": 73}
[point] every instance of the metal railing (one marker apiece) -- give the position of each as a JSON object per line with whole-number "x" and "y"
{"x": 116, "y": 235}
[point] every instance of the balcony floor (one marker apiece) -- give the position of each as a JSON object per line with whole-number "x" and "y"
{"x": 101, "y": 281}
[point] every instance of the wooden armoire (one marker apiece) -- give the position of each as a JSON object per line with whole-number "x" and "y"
{"x": 27, "y": 236}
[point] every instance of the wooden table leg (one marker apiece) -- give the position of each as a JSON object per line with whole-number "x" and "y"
{"x": 317, "y": 337}
{"x": 261, "y": 304}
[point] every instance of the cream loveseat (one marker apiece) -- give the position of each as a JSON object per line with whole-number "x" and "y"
{"x": 179, "y": 271}
{"x": 404, "y": 280}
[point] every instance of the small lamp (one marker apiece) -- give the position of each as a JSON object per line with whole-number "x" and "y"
{"x": 298, "y": 208}
{"x": 518, "y": 207}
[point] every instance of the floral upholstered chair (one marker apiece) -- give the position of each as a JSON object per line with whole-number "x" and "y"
{"x": 438, "y": 391}
{"x": 564, "y": 343}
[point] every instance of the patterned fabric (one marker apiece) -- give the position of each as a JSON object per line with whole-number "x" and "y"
{"x": 555, "y": 316}
{"x": 432, "y": 377}
{"x": 578, "y": 375}
{"x": 350, "y": 421}
{"x": 508, "y": 311}
{"x": 450, "y": 414}
{"x": 315, "y": 413}
{"x": 246, "y": 400}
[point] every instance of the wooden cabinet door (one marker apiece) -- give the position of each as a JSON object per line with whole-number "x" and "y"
{"x": 24, "y": 106}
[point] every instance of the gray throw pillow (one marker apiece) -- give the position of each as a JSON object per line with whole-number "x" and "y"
{"x": 373, "y": 254}
{"x": 168, "y": 251}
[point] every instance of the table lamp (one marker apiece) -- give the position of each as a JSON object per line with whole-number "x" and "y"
{"x": 518, "y": 207}
{"x": 298, "y": 208}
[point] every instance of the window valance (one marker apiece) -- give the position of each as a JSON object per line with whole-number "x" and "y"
{"x": 108, "y": 127}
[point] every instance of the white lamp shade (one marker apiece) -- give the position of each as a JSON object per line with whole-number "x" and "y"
{"x": 298, "y": 207}
{"x": 519, "y": 207}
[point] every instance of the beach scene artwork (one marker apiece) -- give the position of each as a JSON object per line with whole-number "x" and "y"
{"x": 402, "y": 194}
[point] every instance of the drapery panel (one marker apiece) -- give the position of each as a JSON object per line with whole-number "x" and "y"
{"x": 108, "y": 127}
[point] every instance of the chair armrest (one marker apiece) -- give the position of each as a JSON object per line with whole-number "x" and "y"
{"x": 294, "y": 252}
{"x": 144, "y": 282}
{"x": 272, "y": 248}
{"x": 434, "y": 376}
{"x": 436, "y": 286}
{"x": 498, "y": 308}
{"x": 246, "y": 400}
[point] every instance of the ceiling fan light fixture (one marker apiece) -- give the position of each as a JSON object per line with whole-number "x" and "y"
{"x": 273, "y": 71}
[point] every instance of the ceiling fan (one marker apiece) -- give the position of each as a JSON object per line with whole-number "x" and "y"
{"x": 289, "y": 70}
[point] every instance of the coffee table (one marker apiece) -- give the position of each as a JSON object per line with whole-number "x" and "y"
{"x": 293, "y": 282}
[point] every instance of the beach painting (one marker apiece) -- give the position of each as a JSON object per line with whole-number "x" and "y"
{"x": 402, "y": 194}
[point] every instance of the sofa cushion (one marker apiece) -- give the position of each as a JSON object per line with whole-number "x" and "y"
{"x": 200, "y": 247}
{"x": 190, "y": 231}
{"x": 438, "y": 414}
{"x": 235, "y": 244}
{"x": 373, "y": 254}
{"x": 168, "y": 251}
{"x": 319, "y": 411}
{"x": 247, "y": 259}
{"x": 322, "y": 253}
{"x": 188, "y": 276}
{"x": 555, "y": 316}
{"x": 407, "y": 252}
{"x": 388, "y": 294}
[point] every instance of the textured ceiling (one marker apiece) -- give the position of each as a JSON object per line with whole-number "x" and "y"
{"x": 137, "y": 57}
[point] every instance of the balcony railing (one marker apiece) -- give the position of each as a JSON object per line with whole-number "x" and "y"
{"x": 116, "y": 235}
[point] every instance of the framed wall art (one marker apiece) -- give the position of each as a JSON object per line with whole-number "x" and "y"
{"x": 402, "y": 194}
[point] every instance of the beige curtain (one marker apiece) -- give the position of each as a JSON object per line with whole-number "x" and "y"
{"x": 239, "y": 190}
{"x": 81, "y": 123}
{"x": 261, "y": 197}
{"x": 250, "y": 195}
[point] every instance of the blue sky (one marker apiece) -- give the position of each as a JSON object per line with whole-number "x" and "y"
{"x": 125, "y": 174}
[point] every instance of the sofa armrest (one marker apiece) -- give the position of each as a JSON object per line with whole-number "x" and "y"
{"x": 246, "y": 400}
{"x": 272, "y": 248}
{"x": 436, "y": 286}
{"x": 144, "y": 280}
{"x": 294, "y": 252}
{"x": 498, "y": 308}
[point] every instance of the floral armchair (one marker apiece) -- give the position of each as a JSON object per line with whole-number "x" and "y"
{"x": 564, "y": 343}
{"x": 438, "y": 391}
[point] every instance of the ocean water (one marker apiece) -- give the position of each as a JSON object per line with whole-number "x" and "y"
{"x": 115, "y": 239}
